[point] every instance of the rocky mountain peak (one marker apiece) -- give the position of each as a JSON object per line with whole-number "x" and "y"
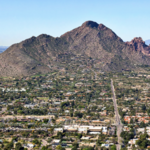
{"x": 136, "y": 40}
{"x": 91, "y": 24}
{"x": 137, "y": 44}
{"x": 43, "y": 36}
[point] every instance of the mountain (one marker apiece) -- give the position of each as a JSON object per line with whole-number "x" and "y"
{"x": 3, "y": 48}
{"x": 92, "y": 45}
{"x": 147, "y": 42}
{"x": 137, "y": 44}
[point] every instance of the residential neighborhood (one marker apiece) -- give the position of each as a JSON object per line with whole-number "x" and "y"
{"x": 75, "y": 111}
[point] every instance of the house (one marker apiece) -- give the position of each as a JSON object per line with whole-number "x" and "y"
{"x": 60, "y": 120}
{"x": 141, "y": 130}
{"x": 107, "y": 121}
{"x": 72, "y": 129}
{"x": 146, "y": 121}
{"x": 67, "y": 111}
{"x": 30, "y": 146}
{"x": 68, "y": 94}
{"x": 87, "y": 144}
{"x": 126, "y": 128}
{"x": 29, "y": 105}
{"x": 104, "y": 130}
{"x": 79, "y": 84}
{"x": 57, "y": 103}
{"x": 141, "y": 114}
{"x": 56, "y": 130}
{"x": 125, "y": 109}
{"x": 104, "y": 113}
{"x": 96, "y": 121}
{"x": 132, "y": 141}
{"x": 71, "y": 79}
{"x": 95, "y": 129}
{"x": 127, "y": 119}
{"x": 105, "y": 145}
{"x": 103, "y": 108}
{"x": 55, "y": 142}
{"x": 148, "y": 130}
{"x": 68, "y": 148}
{"x": 85, "y": 138}
{"x": 82, "y": 130}
{"x": 94, "y": 133}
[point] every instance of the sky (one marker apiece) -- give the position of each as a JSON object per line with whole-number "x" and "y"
{"x": 22, "y": 19}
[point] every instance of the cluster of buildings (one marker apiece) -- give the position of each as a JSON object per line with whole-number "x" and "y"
{"x": 83, "y": 129}
{"x": 140, "y": 117}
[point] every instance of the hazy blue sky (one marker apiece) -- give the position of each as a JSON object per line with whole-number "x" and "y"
{"x": 21, "y": 19}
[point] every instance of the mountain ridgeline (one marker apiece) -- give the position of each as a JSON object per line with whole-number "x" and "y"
{"x": 92, "y": 45}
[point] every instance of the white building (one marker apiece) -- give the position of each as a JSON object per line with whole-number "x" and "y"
{"x": 58, "y": 130}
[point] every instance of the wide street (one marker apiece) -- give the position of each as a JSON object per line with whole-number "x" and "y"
{"x": 117, "y": 118}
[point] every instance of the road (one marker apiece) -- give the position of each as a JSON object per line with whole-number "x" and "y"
{"x": 117, "y": 117}
{"x": 23, "y": 129}
{"x": 5, "y": 117}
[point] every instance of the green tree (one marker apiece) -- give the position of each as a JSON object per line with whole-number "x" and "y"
{"x": 78, "y": 114}
{"x": 72, "y": 104}
{"x": 45, "y": 148}
{"x": 113, "y": 147}
{"x": 74, "y": 148}
{"x": 143, "y": 142}
{"x": 143, "y": 108}
{"x": 79, "y": 135}
{"x": 71, "y": 114}
{"x": 75, "y": 145}
{"x": 49, "y": 140}
{"x": 36, "y": 141}
{"x": 59, "y": 134}
{"x": 88, "y": 148}
{"x": 18, "y": 146}
{"x": 10, "y": 145}
{"x": 59, "y": 147}
{"x": 45, "y": 120}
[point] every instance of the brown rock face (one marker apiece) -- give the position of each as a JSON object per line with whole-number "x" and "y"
{"x": 92, "y": 44}
{"x": 92, "y": 39}
{"x": 137, "y": 44}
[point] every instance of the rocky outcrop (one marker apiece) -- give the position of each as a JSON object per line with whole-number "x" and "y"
{"x": 137, "y": 44}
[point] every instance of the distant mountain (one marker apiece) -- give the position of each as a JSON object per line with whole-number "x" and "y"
{"x": 147, "y": 42}
{"x": 3, "y": 48}
{"x": 91, "y": 45}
